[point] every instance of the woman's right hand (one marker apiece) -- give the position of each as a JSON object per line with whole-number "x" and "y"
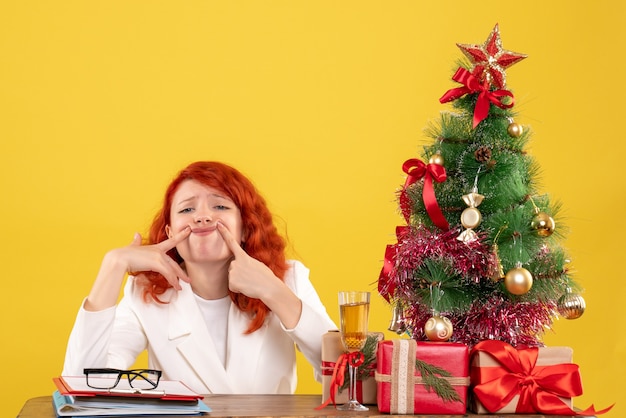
{"x": 134, "y": 258}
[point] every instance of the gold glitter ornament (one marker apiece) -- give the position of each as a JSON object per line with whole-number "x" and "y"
{"x": 571, "y": 305}
{"x": 436, "y": 158}
{"x": 438, "y": 328}
{"x": 518, "y": 280}
{"x": 515, "y": 130}
{"x": 542, "y": 224}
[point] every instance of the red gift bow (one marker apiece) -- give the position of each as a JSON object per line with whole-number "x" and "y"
{"x": 415, "y": 170}
{"x": 538, "y": 387}
{"x": 355, "y": 359}
{"x": 471, "y": 84}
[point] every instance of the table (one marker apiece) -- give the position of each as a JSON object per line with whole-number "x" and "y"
{"x": 263, "y": 406}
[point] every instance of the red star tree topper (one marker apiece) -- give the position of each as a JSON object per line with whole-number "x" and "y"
{"x": 491, "y": 59}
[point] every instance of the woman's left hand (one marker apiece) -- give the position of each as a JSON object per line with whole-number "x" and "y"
{"x": 254, "y": 279}
{"x": 246, "y": 275}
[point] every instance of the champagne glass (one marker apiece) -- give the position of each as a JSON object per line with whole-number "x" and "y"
{"x": 354, "y": 309}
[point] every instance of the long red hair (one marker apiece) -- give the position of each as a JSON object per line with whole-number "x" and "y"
{"x": 262, "y": 239}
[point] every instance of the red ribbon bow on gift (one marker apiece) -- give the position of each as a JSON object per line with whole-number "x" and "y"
{"x": 471, "y": 84}
{"x": 354, "y": 359}
{"x": 415, "y": 170}
{"x": 538, "y": 387}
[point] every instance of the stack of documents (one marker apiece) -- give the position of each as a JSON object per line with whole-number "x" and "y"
{"x": 73, "y": 398}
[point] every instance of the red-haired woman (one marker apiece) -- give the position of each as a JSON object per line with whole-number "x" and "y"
{"x": 210, "y": 295}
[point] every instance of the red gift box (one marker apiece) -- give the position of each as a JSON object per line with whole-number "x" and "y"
{"x": 401, "y": 388}
{"x": 526, "y": 380}
{"x": 332, "y": 349}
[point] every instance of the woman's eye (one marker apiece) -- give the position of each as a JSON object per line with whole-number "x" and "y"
{"x": 221, "y": 207}
{"x": 186, "y": 210}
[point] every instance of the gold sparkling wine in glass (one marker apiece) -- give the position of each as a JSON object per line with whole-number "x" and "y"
{"x": 354, "y": 324}
{"x": 354, "y": 307}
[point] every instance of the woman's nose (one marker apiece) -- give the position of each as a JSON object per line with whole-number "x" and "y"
{"x": 203, "y": 219}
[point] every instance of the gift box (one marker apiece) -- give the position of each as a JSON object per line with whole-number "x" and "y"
{"x": 332, "y": 350}
{"x": 422, "y": 378}
{"x": 529, "y": 380}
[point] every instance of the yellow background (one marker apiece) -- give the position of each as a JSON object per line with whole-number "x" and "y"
{"x": 320, "y": 102}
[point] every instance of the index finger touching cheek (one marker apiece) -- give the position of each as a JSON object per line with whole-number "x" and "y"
{"x": 175, "y": 239}
{"x": 230, "y": 241}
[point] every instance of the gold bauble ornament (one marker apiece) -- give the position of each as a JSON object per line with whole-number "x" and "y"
{"x": 542, "y": 224}
{"x": 571, "y": 305}
{"x": 438, "y": 328}
{"x": 518, "y": 280}
{"x": 436, "y": 158}
{"x": 515, "y": 130}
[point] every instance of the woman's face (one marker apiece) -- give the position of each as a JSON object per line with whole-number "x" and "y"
{"x": 200, "y": 207}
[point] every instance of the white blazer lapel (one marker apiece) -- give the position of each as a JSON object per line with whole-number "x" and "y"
{"x": 196, "y": 345}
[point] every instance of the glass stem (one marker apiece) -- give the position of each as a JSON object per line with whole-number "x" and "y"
{"x": 352, "y": 371}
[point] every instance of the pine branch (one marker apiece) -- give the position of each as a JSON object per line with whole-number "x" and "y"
{"x": 369, "y": 354}
{"x": 440, "y": 287}
{"x": 440, "y": 385}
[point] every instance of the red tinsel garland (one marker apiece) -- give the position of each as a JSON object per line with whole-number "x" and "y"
{"x": 498, "y": 317}
{"x": 416, "y": 244}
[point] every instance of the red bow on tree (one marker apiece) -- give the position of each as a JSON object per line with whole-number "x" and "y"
{"x": 472, "y": 84}
{"x": 415, "y": 170}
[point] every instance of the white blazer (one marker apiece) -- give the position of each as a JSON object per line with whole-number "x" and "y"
{"x": 180, "y": 345}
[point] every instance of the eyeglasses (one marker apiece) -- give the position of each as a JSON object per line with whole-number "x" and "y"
{"x": 144, "y": 379}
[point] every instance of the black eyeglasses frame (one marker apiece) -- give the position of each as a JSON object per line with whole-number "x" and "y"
{"x": 131, "y": 375}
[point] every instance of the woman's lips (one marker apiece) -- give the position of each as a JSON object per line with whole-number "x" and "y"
{"x": 203, "y": 231}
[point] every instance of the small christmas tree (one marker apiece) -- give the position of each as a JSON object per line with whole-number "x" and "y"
{"x": 479, "y": 257}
